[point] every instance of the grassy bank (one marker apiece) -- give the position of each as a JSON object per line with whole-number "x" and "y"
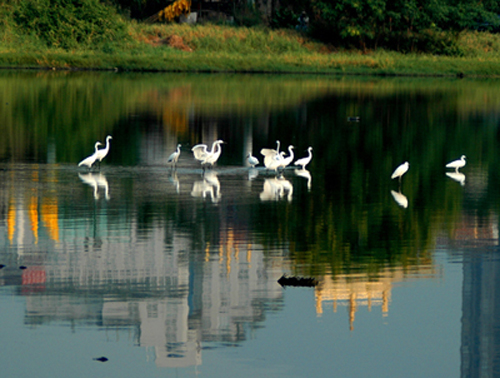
{"x": 225, "y": 48}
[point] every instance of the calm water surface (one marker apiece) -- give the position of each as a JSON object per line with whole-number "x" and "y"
{"x": 173, "y": 272}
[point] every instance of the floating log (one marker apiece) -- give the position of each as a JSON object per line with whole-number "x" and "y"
{"x": 297, "y": 281}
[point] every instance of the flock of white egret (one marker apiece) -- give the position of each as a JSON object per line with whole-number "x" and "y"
{"x": 403, "y": 168}
{"x": 273, "y": 158}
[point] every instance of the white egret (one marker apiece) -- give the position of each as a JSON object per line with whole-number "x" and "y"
{"x": 90, "y": 160}
{"x": 174, "y": 157}
{"x": 252, "y": 160}
{"x": 274, "y": 163}
{"x": 457, "y": 163}
{"x": 201, "y": 153}
{"x": 306, "y": 160}
{"x": 287, "y": 160}
{"x": 101, "y": 154}
{"x": 400, "y": 171}
{"x": 270, "y": 155}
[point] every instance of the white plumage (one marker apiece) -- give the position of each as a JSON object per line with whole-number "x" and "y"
{"x": 287, "y": 160}
{"x": 90, "y": 160}
{"x": 305, "y": 160}
{"x": 174, "y": 157}
{"x": 101, "y": 154}
{"x": 201, "y": 153}
{"x": 271, "y": 156}
{"x": 252, "y": 160}
{"x": 401, "y": 170}
{"x": 457, "y": 163}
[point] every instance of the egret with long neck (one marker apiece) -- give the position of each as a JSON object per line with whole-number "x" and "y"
{"x": 101, "y": 154}
{"x": 90, "y": 160}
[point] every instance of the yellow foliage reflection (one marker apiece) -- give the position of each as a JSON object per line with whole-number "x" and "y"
{"x": 50, "y": 217}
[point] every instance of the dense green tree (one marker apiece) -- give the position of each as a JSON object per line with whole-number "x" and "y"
{"x": 407, "y": 25}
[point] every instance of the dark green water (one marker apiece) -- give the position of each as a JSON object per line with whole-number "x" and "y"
{"x": 174, "y": 271}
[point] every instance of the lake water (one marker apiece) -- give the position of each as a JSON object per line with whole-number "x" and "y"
{"x": 174, "y": 272}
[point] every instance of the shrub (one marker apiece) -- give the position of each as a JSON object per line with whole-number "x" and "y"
{"x": 69, "y": 23}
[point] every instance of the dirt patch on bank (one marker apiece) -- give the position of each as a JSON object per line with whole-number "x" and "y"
{"x": 173, "y": 40}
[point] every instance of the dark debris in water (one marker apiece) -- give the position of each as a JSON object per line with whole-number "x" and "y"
{"x": 101, "y": 359}
{"x": 297, "y": 281}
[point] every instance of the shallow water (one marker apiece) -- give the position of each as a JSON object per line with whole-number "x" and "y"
{"x": 174, "y": 271}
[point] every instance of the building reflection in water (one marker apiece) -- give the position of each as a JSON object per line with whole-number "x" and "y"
{"x": 480, "y": 349}
{"x": 89, "y": 269}
{"x": 353, "y": 291}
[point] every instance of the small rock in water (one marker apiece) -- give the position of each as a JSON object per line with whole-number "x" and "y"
{"x": 102, "y": 359}
{"x": 2, "y": 266}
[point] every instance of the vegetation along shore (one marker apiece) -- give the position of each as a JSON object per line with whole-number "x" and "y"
{"x": 294, "y": 36}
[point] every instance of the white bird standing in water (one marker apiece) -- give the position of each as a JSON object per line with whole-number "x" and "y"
{"x": 201, "y": 153}
{"x": 457, "y": 163}
{"x": 275, "y": 163}
{"x": 101, "y": 154}
{"x": 271, "y": 156}
{"x": 90, "y": 160}
{"x": 400, "y": 171}
{"x": 252, "y": 160}
{"x": 174, "y": 157}
{"x": 287, "y": 160}
{"x": 306, "y": 160}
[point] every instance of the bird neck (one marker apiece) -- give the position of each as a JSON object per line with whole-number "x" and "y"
{"x": 214, "y": 146}
{"x": 107, "y": 145}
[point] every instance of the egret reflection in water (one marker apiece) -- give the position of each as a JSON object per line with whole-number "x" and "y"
{"x": 305, "y": 174}
{"x": 457, "y": 176}
{"x": 174, "y": 179}
{"x": 252, "y": 173}
{"x": 400, "y": 199}
{"x": 96, "y": 181}
{"x": 209, "y": 186}
{"x": 276, "y": 188}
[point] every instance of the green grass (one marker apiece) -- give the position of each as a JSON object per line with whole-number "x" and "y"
{"x": 239, "y": 49}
